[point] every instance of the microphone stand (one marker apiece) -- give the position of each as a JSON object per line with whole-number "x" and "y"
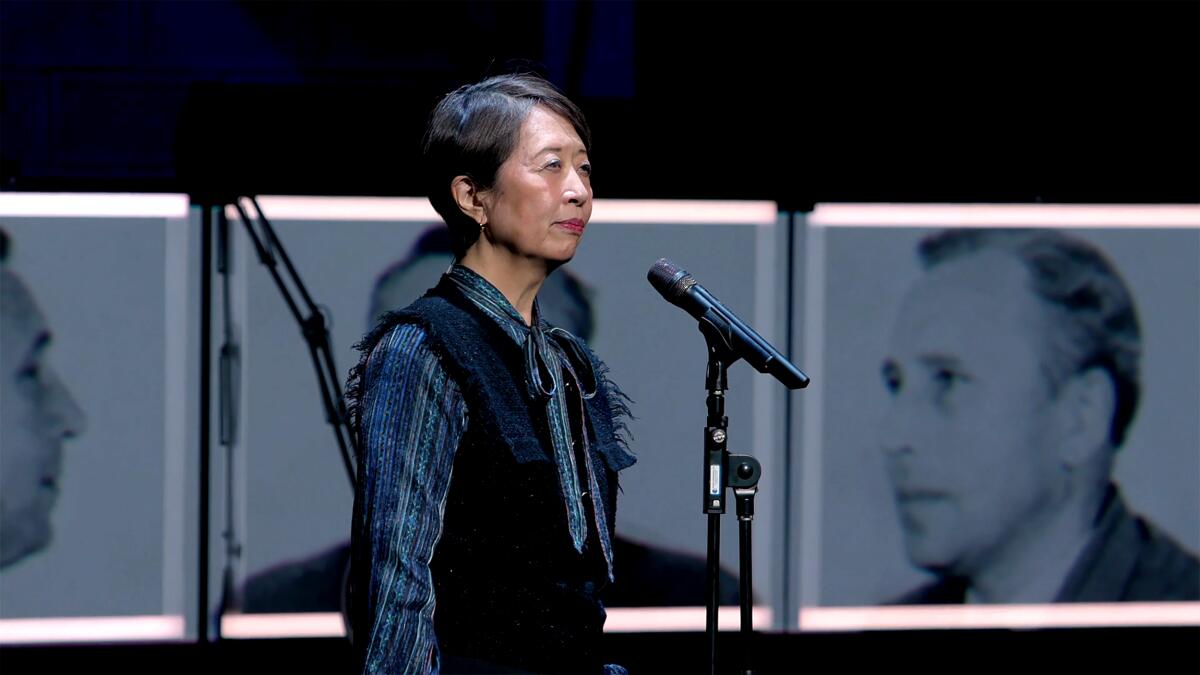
{"x": 316, "y": 335}
{"x": 312, "y": 326}
{"x": 717, "y": 477}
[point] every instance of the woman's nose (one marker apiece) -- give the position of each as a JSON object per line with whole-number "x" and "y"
{"x": 576, "y": 191}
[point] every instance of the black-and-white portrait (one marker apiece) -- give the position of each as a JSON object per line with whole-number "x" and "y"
{"x": 285, "y": 549}
{"x": 293, "y": 500}
{"x": 39, "y": 413}
{"x": 95, "y": 405}
{"x": 1006, "y": 416}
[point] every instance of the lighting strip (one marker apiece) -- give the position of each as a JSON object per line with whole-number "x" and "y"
{"x": 1005, "y": 215}
{"x": 91, "y": 629}
{"x": 1063, "y": 615}
{"x": 306, "y": 624}
{"x": 341, "y": 209}
{"x": 679, "y": 619}
{"x": 620, "y": 620}
{"x": 682, "y": 212}
{"x": 92, "y": 205}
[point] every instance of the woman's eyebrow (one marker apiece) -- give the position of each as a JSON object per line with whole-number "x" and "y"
{"x": 558, "y": 148}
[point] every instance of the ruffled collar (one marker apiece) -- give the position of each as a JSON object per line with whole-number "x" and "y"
{"x": 548, "y": 349}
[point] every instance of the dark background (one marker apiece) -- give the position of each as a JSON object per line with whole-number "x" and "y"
{"x": 1084, "y": 102}
{"x": 794, "y": 101}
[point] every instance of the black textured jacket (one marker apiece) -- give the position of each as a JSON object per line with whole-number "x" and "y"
{"x": 511, "y": 589}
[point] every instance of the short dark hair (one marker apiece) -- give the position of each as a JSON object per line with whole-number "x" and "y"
{"x": 1099, "y": 322}
{"x": 473, "y": 130}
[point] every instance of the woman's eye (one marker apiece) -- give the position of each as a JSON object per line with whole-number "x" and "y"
{"x": 553, "y": 164}
{"x": 585, "y": 169}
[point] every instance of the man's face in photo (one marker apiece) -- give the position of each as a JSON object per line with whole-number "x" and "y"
{"x": 966, "y": 438}
{"x": 37, "y": 414}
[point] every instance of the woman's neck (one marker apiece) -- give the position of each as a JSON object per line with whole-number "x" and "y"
{"x": 517, "y": 280}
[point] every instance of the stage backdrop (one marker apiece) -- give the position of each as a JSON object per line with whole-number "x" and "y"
{"x": 291, "y": 497}
{"x": 115, "y": 278}
{"x": 858, "y": 267}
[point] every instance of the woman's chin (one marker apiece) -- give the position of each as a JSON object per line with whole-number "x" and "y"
{"x": 562, "y": 254}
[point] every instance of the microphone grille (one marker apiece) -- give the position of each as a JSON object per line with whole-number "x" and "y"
{"x": 669, "y": 279}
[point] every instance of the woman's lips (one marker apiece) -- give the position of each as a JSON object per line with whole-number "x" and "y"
{"x": 571, "y": 225}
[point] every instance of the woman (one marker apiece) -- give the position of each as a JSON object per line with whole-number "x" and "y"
{"x": 483, "y": 519}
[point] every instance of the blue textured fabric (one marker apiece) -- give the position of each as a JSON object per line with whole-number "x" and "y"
{"x": 411, "y": 419}
{"x": 413, "y": 416}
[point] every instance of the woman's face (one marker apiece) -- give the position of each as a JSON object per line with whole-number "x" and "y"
{"x": 542, "y": 198}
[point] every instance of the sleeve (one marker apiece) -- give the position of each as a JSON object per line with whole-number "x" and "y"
{"x": 413, "y": 416}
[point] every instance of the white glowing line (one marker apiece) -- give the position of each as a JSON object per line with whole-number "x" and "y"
{"x": 684, "y": 212}
{"x": 88, "y": 205}
{"x": 91, "y": 629}
{"x": 661, "y": 619}
{"x": 1005, "y": 215}
{"x": 1001, "y": 616}
{"x": 308, "y": 624}
{"x": 620, "y": 620}
{"x": 341, "y": 209}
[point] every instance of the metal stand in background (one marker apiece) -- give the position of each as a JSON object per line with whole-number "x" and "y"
{"x": 313, "y": 327}
{"x": 744, "y": 477}
{"x": 228, "y": 359}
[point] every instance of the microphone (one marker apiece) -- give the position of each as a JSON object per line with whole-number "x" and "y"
{"x": 681, "y": 289}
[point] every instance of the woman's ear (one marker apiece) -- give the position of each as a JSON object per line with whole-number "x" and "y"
{"x": 467, "y": 196}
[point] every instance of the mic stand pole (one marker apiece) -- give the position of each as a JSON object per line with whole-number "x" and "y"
{"x": 715, "y": 381}
{"x": 316, "y": 333}
{"x": 717, "y": 461}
